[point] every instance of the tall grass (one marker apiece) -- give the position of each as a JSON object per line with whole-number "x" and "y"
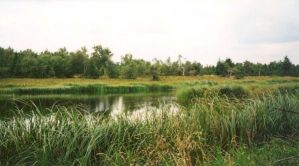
{"x": 187, "y": 137}
{"x": 185, "y": 95}
{"x": 229, "y": 123}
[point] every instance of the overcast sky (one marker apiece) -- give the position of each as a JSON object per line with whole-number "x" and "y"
{"x": 201, "y": 30}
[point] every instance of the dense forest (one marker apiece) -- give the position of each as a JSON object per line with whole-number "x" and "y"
{"x": 62, "y": 63}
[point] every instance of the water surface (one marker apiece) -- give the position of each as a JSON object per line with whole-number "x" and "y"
{"x": 104, "y": 104}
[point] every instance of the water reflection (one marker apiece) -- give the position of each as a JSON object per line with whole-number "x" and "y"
{"x": 112, "y": 105}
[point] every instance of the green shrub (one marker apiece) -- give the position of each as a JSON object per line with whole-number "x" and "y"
{"x": 239, "y": 75}
{"x": 234, "y": 91}
{"x": 186, "y": 95}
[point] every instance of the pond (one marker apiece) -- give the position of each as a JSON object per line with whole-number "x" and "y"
{"x": 103, "y": 104}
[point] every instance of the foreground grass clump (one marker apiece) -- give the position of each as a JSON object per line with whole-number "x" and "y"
{"x": 206, "y": 133}
{"x": 229, "y": 121}
{"x": 277, "y": 151}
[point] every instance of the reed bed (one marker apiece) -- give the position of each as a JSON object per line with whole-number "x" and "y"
{"x": 187, "y": 94}
{"x": 198, "y": 135}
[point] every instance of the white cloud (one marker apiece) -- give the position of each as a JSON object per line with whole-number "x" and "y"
{"x": 203, "y": 30}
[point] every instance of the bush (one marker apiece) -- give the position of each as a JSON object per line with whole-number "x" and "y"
{"x": 239, "y": 76}
{"x": 155, "y": 78}
{"x": 234, "y": 91}
{"x": 186, "y": 95}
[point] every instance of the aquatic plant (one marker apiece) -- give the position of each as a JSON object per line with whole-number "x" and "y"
{"x": 188, "y": 137}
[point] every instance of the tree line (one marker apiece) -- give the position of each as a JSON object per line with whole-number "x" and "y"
{"x": 62, "y": 64}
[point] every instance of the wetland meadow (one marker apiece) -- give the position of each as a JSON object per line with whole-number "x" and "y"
{"x": 191, "y": 120}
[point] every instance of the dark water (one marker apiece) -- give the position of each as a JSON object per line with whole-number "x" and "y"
{"x": 106, "y": 104}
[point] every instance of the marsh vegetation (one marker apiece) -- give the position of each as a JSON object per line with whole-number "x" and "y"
{"x": 198, "y": 121}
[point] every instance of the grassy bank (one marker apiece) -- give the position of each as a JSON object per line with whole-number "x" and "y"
{"x": 188, "y": 93}
{"x": 89, "y": 89}
{"x": 214, "y": 131}
{"x": 110, "y": 86}
{"x": 60, "y": 82}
